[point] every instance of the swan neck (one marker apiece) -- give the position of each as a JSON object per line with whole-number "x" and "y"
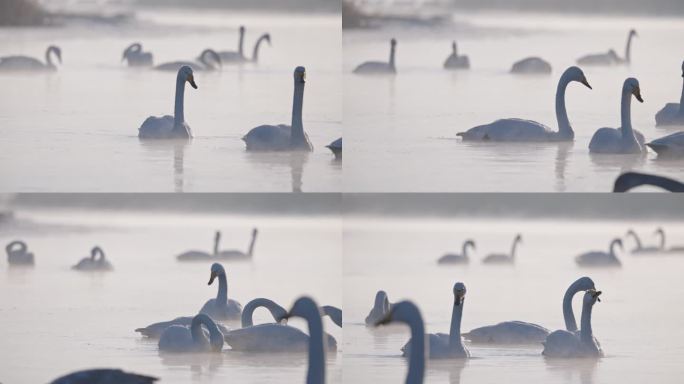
{"x": 564, "y": 127}
{"x": 247, "y": 319}
{"x": 455, "y": 330}
{"x": 222, "y": 296}
{"x": 586, "y": 333}
{"x": 48, "y": 58}
{"x": 250, "y": 250}
{"x": 178, "y": 112}
{"x": 662, "y": 240}
{"x": 316, "y": 371}
{"x": 217, "y": 241}
{"x": 391, "y": 58}
{"x": 612, "y": 247}
{"x": 464, "y": 250}
{"x": 626, "y": 116}
{"x": 297, "y": 133}
{"x": 215, "y": 335}
{"x": 255, "y": 52}
{"x": 416, "y": 370}
{"x": 628, "y": 49}
{"x": 513, "y": 248}
{"x": 568, "y": 313}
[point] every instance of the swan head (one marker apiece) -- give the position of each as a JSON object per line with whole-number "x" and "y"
{"x": 518, "y": 238}
{"x": 659, "y": 231}
{"x": 592, "y": 296}
{"x": 459, "y": 293}
{"x": 470, "y": 243}
{"x": 216, "y": 270}
{"x": 576, "y": 74}
{"x": 95, "y": 251}
{"x": 186, "y": 74}
{"x": 267, "y": 38}
{"x": 255, "y": 232}
{"x": 242, "y": 29}
{"x": 633, "y": 32}
{"x": 632, "y": 86}
{"x": 300, "y": 75}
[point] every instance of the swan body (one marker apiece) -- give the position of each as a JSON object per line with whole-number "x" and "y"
{"x": 283, "y": 137}
{"x": 629, "y": 180}
{"x": 455, "y": 258}
{"x": 379, "y": 67}
{"x": 307, "y": 309}
{"x": 454, "y": 61}
{"x": 135, "y": 57}
{"x": 672, "y": 113}
{"x": 442, "y": 345}
{"x": 221, "y": 308}
{"x": 171, "y": 127}
{"x": 336, "y": 148}
{"x": 519, "y": 130}
{"x": 381, "y": 307}
{"x": 623, "y": 140}
{"x": 565, "y": 344}
{"x": 104, "y": 376}
{"x": 531, "y": 66}
{"x": 501, "y": 258}
{"x": 601, "y": 258}
{"x": 18, "y": 254}
{"x": 154, "y": 331}
{"x": 25, "y": 63}
{"x": 209, "y": 60}
{"x": 669, "y": 146}
{"x": 178, "y": 338}
{"x": 611, "y": 57}
{"x": 94, "y": 263}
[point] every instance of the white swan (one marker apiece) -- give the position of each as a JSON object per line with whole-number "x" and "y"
{"x": 406, "y": 312}
{"x": 178, "y": 338}
{"x": 624, "y": 139}
{"x": 669, "y": 146}
{"x": 531, "y": 66}
{"x": 336, "y": 148}
{"x": 154, "y": 331}
{"x": 103, "y": 376}
{"x": 221, "y": 308}
{"x": 18, "y": 254}
{"x": 640, "y": 249}
{"x": 171, "y": 127}
{"x": 601, "y": 258}
{"x": 207, "y": 61}
{"x": 96, "y": 261}
{"x": 379, "y": 67}
{"x": 455, "y": 258}
{"x": 195, "y": 255}
{"x": 235, "y": 56}
{"x": 442, "y": 345}
{"x": 672, "y": 113}
{"x": 236, "y": 254}
{"x": 454, "y": 61}
{"x": 610, "y": 57}
{"x": 283, "y": 137}
{"x": 528, "y": 130}
{"x": 502, "y": 258}
{"x": 25, "y": 63}
{"x": 381, "y": 307}
{"x": 135, "y": 57}
{"x": 629, "y": 180}
{"x": 565, "y": 344}
{"x": 307, "y": 309}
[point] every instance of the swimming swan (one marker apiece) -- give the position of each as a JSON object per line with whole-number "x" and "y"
{"x": 624, "y": 139}
{"x": 406, "y": 312}
{"x": 171, "y": 127}
{"x": 669, "y": 146}
{"x": 103, "y": 376}
{"x": 640, "y": 249}
{"x": 154, "y": 331}
{"x": 307, "y": 309}
{"x": 610, "y": 57}
{"x": 442, "y": 345}
{"x": 565, "y": 344}
{"x": 629, "y": 180}
{"x": 94, "y": 263}
{"x": 195, "y": 255}
{"x": 255, "y": 52}
{"x": 336, "y": 148}
{"x": 600, "y": 258}
{"x": 455, "y": 258}
{"x": 520, "y": 130}
{"x": 501, "y": 258}
{"x": 381, "y": 307}
{"x": 235, "y": 254}
{"x": 207, "y": 61}
{"x": 25, "y": 63}
{"x": 178, "y": 338}
{"x": 135, "y": 57}
{"x": 454, "y": 61}
{"x": 672, "y": 113}
{"x": 221, "y": 308}
{"x": 283, "y": 137}
{"x": 531, "y": 66}
{"x": 18, "y": 254}
{"x": 379, "y": 67}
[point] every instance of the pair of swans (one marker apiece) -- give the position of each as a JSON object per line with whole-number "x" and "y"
{"x": 379, "y": 67}
{"x": 672, "y": 113}
{"x": 601, "y": 258}
{"x": 531, "y": 66}
{"x": 519, "y": 130}
{"x": 18, "y": 254}
{"x": 455, "y": 258}
{"x": 134, "y": 56}
{"x": 630, "y": 180}
{"x": 26, "y": 63}
{"x": 456, "y": 61}
{"x": 660, "y": 248}
{"x": 503, "y": 258}
{"x": 96, "y": 261}
{"x": 104, "y": 375}
{"x": 573, "y": 344}
{"x": 238, "y": 57}
{"x": 208, "y": 60}
{"x": 232, "y": 254}
{"x": 610, "y": 57}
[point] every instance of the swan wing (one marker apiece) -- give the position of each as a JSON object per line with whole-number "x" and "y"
{"x": 268, "y": 138}
{"x": 176, "y": 338}
{"x": 531, "y": 65}
{"x": 597, "y": 59}
{"x": 231, "y": 254}
{"x": 155, "y": 330}
{"x": 231, "y": 57}
{"x": 509, "y": 130}
{"x": 104, "y": 376}
{"x": 452, "y": 258}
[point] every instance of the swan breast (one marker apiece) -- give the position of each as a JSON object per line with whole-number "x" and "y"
{"x": 268, "y": 138}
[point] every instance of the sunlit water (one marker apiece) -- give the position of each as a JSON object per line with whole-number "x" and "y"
{"x": 638, "y": 322}
{"x": 411, "y": 119}
{"x": 76, "y": 130}
{"x": 54, "y": 320}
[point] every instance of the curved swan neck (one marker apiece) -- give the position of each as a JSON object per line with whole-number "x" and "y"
{"x": 630, "y": 180}
{"x": 247, "y": 319}
{"x": 564, "y": 128}
{"x": 464, "y": 250}
{"x": 297, "y": 133}
{"x": 455, "y": 329}
{"x": 215, "y": 334}
{"x": 612, "y": 246}
{"x": 637, "y": 240}
{"x": 222, "y": 296}
{"x": 514, "y": 247}
{"x": 178, "y": 112}
{"x": 628, "y": 48}
{"x": 48, "y": 58}
{"x": 257, "y": 45}
{"x": 22, "y": 247}
{"x": 586, "y": 333}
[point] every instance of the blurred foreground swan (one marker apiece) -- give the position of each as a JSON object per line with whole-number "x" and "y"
{"x": 502, "y": 258}
{"x": 454, "y": 61}
{"x": 629, "y": 180}
{"x": 96, "y": 261}
{"x": 669, "y": 146}
{"x": 135, "y": 57}
{"x": 601, "y": 258}
{"x": 406, "y": 312}
{"x": 379, "y": 67}
{"x": 565, "y": 344}
{"x": 26, "y": 63}
{"x": 104, "y": 376}
{"x": 307, "y": 309}
{"x": 336, "y": 148}
{"x": 221, "y": 308}
{"x": 623, "y": 140}
{"x": 171, "y": 127}
{"x": 178, "y": 338}
{"x": 381, "y": 307}
{"x": 238, "y": 57}
{"x": 217, "y": 254}
{"x": 672, "y": 113}
{"x": 283, "y": 137}
{"x": 18, "y": 254}
{"x": 610, "y": 57}
{"x": 208, "y": 60}
{"x": 455, "y": 258}
{"x": 520, "y": 130}
{"x": 531, "y": 66}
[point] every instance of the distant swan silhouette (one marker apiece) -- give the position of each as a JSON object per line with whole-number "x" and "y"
{"x": 178, "y": 338}
{"x": 135, "y": 57}
{"x": 601, "y": 258}
{"x": 171, "y": 127}
{"x": 531, "y": 66}
{"x": 381, "y": 307}
{"x": 102, "y": 376}
{"x": 283, "y": 137}
{"x": 640, "y": 249}
{"x": 501, "y": 258}
{"x": 221, "y": 308}
{"x": 610, "y": 57}
{"x": 565, "y": 344}
{"x": 94, "y": 263}
{"x": 25, "y": 63}
{"x": 455, "y": 258}
{"x": 623, "y": 140}
{"x": 336, "y": 148}
{"x": 379, "y": 67}
{"x": 669, "y": 146}
{"x": 672, "y": 113}
{"x": 18, "y": 254}
{"x": 528, "y": 130}
{"x": 307, "y": 309}
{"x": 454, "y": 61}
{"x": 629, "y": 180}
{"x": 208, "y": 60}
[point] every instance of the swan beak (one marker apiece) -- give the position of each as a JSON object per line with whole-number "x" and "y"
{"x": 191, "y": 80}
{"x": 596, "y": 295}
{"x": 586, "y": 83}
{"x": 211, "y": 278}
{"x": 637, "y": 94}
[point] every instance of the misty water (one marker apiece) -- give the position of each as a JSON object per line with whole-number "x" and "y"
{"x": 76, "y": 129}
{"x": 54, "y": 320}
{"x": 637, "y": 321}
{"x": 412, "y": 118}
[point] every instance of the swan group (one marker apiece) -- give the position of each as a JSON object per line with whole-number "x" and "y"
{"x": 238, "y": 57}
{"x": 653, "y": 249}
{"x": 566, "y": 344}
{"x": 610, "y": 57}
{"x": 30, "y": 64}
{"x": 217, "y": 254}
{"x": 18, "y": 254}
{"x": 672, "y": 113}
{"x": 379, "y": 67}
{"x": 221, "y": 308}
{"x": 601, "y": 258}
{"x": 455, "y": 258}
{"x": 96, "y": 261}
